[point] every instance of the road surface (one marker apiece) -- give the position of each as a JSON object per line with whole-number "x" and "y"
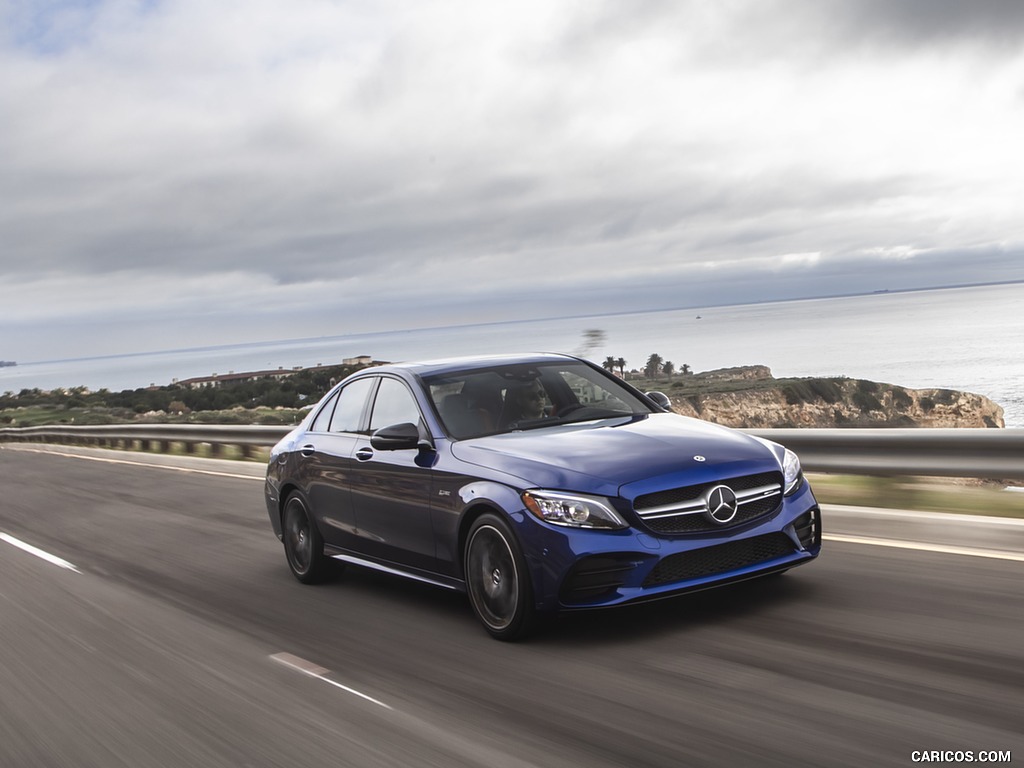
{"x": 147, "y": 618}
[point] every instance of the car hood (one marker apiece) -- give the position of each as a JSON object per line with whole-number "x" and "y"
{"x": 622, "y": 456}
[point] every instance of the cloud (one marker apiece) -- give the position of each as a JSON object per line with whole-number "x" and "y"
{"x": 931, "y": 22}
{"x": 162, "y": 159}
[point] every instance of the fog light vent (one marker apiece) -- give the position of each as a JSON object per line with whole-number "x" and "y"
{"x": 595, "y": 578}
{"x": 808, "y": 529}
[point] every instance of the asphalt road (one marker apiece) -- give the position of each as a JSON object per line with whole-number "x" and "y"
{"x": 169, "y": 632}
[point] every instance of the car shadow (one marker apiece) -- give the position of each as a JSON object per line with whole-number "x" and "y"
{"x": 392, "y": 591}
{"x": 710, "y": 607}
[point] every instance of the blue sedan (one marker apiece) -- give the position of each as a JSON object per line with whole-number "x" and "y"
{"x": 534, "y": 484}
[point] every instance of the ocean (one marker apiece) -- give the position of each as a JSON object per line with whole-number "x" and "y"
{"x": 969, "y": 339}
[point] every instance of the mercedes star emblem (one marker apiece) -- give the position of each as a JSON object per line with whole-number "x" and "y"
{"x": 721, "y": 504}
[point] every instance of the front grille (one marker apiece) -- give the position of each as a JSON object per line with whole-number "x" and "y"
{"x": 720, "y": 558}
{"x": 595, "y": 577}
{"x": 681, "y": 510}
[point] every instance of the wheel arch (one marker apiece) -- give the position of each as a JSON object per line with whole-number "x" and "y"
{"x": 471, "y": 515}
{"x": 287, "y": 489}
{"x": 479, "y": 498}
{"x": 283, "y": 495}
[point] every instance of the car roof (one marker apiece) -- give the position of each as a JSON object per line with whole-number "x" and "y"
{"x": 432, "y": 367}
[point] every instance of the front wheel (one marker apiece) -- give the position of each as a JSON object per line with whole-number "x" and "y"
{"x": 303, "y": 545}
{"x": 497, "y": 579}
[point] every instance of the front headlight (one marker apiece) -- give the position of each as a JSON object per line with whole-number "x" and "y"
{"x": 572, "y": 510}
{"x": 792, "y": 472}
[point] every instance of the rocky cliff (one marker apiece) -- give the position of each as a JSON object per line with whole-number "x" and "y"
{"x": 751, "y": 397}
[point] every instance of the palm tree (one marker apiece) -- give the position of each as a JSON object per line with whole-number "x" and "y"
{"x": 653, "y": 365}
{"x": 609, "y": 364}
{"x": 668, "y": 368}
{"x": 622, "y": 367}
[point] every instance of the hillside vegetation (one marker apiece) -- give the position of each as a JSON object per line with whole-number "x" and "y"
{"x": 260, "y": 401}
{"x": 748, "y": 397}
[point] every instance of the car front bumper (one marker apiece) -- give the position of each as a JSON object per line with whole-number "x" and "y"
{"x": 574, "y": 568}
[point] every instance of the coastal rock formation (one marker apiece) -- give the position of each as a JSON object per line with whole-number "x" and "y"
{"x": 750, "y": 397}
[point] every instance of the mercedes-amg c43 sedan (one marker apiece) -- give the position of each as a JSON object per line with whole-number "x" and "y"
{"x": 534, "y": 484}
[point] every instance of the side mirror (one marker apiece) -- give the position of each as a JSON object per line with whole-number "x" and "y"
{"x": 661, "y": 400}
{"x": 396, "y": 437}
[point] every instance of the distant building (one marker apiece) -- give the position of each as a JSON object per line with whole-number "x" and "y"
{"x": 362, "y": 361}
{"x": 217, "y": 380}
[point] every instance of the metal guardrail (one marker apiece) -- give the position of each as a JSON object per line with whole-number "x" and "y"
{"x": 156, "y": 438}
{"x": 984, "y": 453}
{"x": 981, "y": 453}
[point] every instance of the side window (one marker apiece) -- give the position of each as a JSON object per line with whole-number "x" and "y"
{"x": 323, "y": 419}
{"x": 349, "y": 410}
{"x": 590, "y": 391}
{"x": 394, "y": 405}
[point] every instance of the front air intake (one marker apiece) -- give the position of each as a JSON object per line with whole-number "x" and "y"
{"x": 720, "y": 559}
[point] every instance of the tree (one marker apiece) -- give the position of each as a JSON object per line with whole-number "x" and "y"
{"x": 668, "y": 368}
{"x": 685, "y": 370}
{"x": 609, "y": 364}
{"x": 622, "y": 366}
{"x": 653, "y": 365}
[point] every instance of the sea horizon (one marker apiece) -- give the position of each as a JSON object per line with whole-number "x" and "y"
{"x": 965, "y": 338}
{"x": 520, "y": 321}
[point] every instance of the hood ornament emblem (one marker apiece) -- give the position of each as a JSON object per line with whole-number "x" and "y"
{"x": 699, "y": 458}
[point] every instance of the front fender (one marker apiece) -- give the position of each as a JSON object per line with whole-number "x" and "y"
{"x": 543, "y": 545}
{"x": 483, "y": 496}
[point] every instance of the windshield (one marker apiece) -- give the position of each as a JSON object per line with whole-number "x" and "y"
{"x": 507, "y": 398}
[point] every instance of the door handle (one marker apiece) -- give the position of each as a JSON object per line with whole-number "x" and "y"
{"x": 364, "y": 454}
{"x": 308, "y": 450}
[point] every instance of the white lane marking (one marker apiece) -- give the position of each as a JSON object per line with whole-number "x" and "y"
{"x": 38, "y": 553}
{"x": 188, "y": 470}
{"x": 944, "y": 549}
{"x": 312, "y": 670}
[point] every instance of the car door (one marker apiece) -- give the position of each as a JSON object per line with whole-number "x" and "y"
{"x": 327, "y": 460}
{"x": 391, "y": 489}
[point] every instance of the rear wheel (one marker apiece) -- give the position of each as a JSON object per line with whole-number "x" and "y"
{"x": 303, "y": 545}
{"x": 497, "y": 579}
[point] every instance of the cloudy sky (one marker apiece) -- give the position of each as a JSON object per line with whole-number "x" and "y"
{"x": 185, "y": 172}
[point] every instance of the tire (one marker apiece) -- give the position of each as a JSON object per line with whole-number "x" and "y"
{"x": 303, "y": 544}
{"x": 497, "y": 579}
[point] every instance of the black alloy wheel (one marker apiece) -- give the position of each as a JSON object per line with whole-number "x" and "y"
{"x": 303, "y": 545}
{"x": 497, "y": 579}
